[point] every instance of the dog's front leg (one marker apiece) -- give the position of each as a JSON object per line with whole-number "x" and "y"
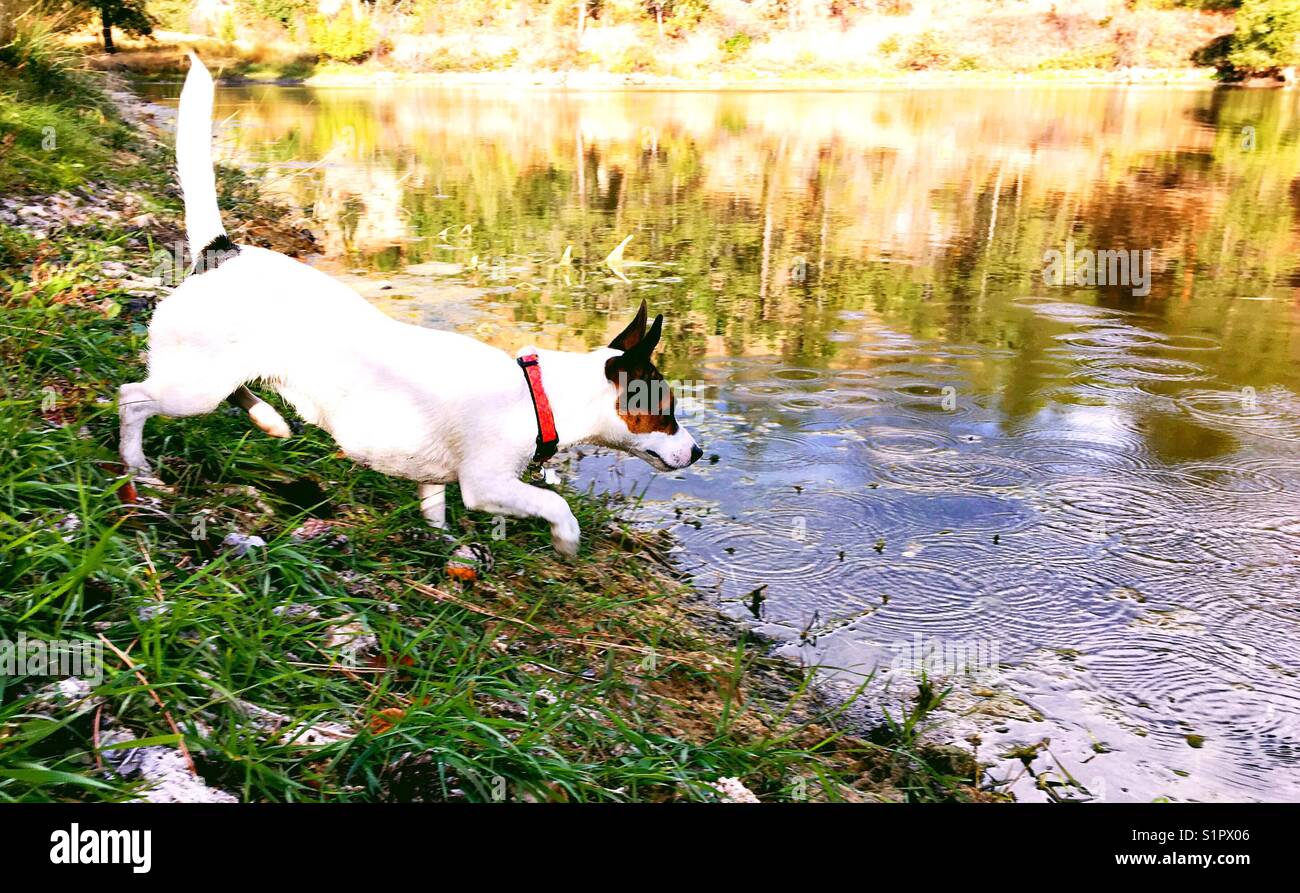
{"x": 507, "y": 496}
{"x": 433, "y": 504}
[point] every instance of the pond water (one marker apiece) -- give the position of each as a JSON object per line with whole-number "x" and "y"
{"x": 1080, "y": 499}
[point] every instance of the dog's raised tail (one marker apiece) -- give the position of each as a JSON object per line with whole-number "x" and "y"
{"x": 194, "y": 158}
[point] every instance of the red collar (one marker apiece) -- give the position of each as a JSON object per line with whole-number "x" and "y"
{"x": 547, "y": 440}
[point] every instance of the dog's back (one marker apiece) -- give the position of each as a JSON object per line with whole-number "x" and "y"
{"x": 393, "y": 395}
{"x": 431, "y": 406}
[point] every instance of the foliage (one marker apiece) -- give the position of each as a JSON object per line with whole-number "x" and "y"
{"x": 228, "y": 31}
{"x": 53, "y": 124}
{"x": 1267, "y": 36}
{"x": 344, "y": 37}
{"x": 822, "y": 38}
{"x": 682, "y": 16}
{"x": 171, "y": 15}
{"x": 1085, "y": 58}
{"x": 283, "y": 12}
{"x": 928, "y": 50}
{"x": 735, "y": 46}
{"x": 635, "y": 59}
{"x": 130, "y": 16}
{"x": 37, "y": 56}
{"x": 45, "y": 145}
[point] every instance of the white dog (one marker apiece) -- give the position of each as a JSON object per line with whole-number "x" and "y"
{"x": 430, "y": 406}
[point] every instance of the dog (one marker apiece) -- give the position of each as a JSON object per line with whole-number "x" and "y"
{"x": 429, "y": 406}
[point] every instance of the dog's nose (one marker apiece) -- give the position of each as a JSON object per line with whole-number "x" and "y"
{"x": 696, "y": 453}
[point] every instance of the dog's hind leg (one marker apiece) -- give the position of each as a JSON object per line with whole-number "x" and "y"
{"x": 262, "y": 413}
{"x": 139, "y": 401}
{"x": 433, "y": 504}
{"x": 135, "y": 406}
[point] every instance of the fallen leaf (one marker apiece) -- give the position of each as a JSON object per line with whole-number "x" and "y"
{"x": 615, "y": 259}
{"x": 385, "y": 719}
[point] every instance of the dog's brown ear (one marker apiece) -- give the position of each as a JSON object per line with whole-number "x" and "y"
{"x": 631, "y": 336}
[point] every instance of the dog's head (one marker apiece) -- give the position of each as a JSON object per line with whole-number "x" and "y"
{"x": 644, "y": 404}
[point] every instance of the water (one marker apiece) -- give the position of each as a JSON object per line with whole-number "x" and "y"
{"x": 1090, "y": 495}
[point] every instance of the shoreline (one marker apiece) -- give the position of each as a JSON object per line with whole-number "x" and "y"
{"x": 238, "y": 63}
{"x": 363, "y": 76}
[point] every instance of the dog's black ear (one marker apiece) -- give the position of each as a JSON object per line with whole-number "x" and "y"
{"x": 650, "y": 340}
{"x": 631, "y": 336}
{"x": 639, "y": 355}
{"x": 636, "y": 359}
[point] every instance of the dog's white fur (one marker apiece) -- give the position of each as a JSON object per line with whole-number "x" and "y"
{"x": 430, "y": 406}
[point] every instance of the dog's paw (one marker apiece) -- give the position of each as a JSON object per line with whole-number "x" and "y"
{"x": 144, "y": 475}
{"x": 565, "y": 537}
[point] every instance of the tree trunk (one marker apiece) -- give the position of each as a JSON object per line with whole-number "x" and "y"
{"x": 108, "y": 30}
{"x": 8, "y": 10}
{"x": 582, "y": 19}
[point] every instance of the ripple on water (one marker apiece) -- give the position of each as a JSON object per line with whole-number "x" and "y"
{"x": 1180, "y": 682}
{"x": 1134, "y": 370}
{"x": 800, "y": 375}
{"x": 932, "y": 596}
{"x": 1111, "y": 503}
{"x": 855, "y": 391}
{"x": 1082, "y": 394}
{"x": 965, "y": 471}
{"x": 820, "y": 513}
{"x": 1110, "y": 339}
{"x": 1049, "y": 458}
{"x": 1031, "y": 605}
{"x": 921, "y": 399}
{"x": 1250, "y": 604}
{"x": 778, "y": 448}
{"x": 796, "y": 579}
{"x": 728, "y": 365}
{"x": 957, "y": 512}
{"x": 888, "y": 344}
{"x": 915, "y": 370}
{"x": 1190, "y": 342}
{"x": 1244, "y": 475}
{"x": 889, "y": 441}
{"x": 1273, "y": 413}
{"x": 761, "y": 391}
{"x": 1176, "y": 543}
{"x": 1068, "y": 312}
{"x": 919, "y": 389}
{"x": 835, "y": 519}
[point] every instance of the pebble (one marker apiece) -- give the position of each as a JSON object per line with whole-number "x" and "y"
{"x": 240, "y": 545}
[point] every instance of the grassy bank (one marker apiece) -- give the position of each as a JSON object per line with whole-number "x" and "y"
{"x": 277, "y": 624}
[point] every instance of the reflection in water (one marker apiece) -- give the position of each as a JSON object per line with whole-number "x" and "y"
{"x": 915, "y": 436}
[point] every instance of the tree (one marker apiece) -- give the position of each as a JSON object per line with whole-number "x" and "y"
{"x": 1267, "y": 36}
{"x": 8, "y": 17}
{"x": 128, "y": 15}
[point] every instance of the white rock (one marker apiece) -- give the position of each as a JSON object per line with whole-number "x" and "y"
{"x": 241, "y": 545}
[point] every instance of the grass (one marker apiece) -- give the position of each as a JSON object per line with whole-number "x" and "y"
{"x": 594, "y": 680}
{"x": 55, "y": 127}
